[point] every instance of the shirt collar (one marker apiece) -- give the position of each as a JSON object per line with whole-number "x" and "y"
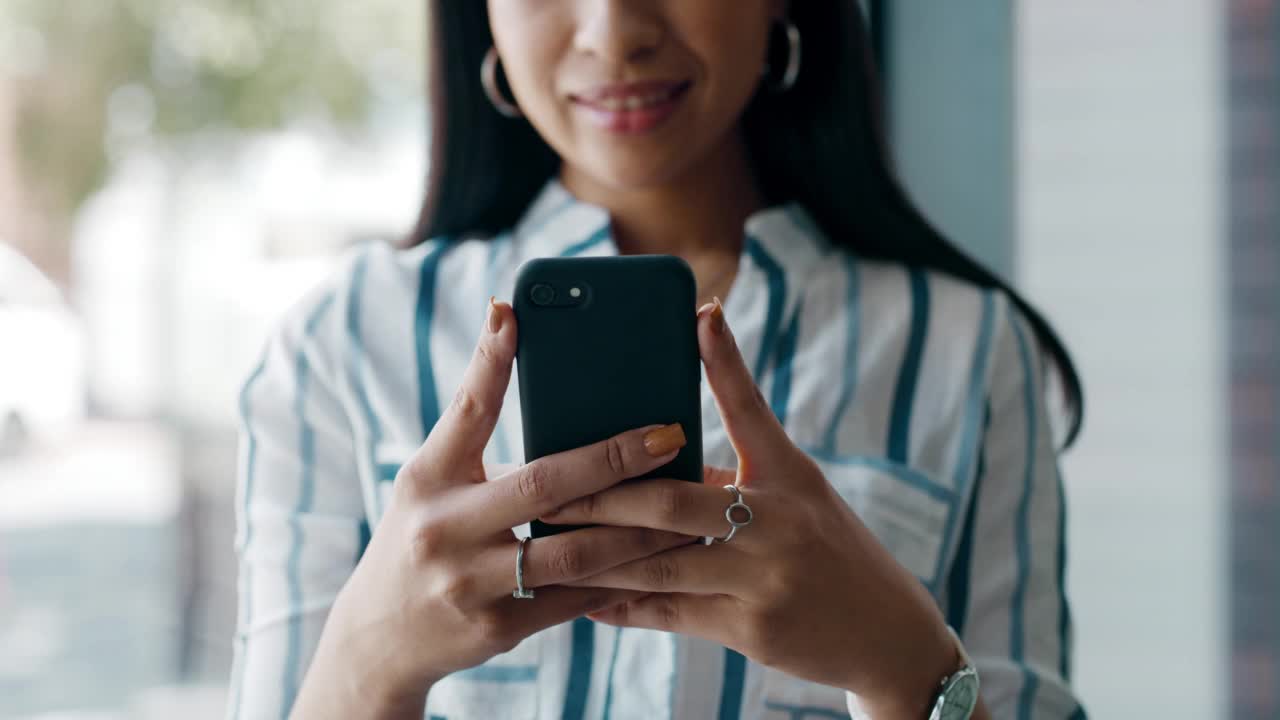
{"x": 558, "y": 224}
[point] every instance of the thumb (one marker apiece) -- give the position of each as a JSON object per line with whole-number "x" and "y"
{"x": 458, "y": 439}
{"x": 753, "y": 429}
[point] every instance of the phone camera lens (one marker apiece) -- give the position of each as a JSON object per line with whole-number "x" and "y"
{"x": 542, "y": 294}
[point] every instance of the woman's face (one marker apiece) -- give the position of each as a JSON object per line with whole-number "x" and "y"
{"x": 633, "y": 93}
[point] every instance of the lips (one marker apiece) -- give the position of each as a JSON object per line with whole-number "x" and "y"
{"x": 632, "y": 107}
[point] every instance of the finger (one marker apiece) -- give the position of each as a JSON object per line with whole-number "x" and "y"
{"x": 547, "y": 483}
{"x": 464, "y": 429}
{"x": 570, "y": 556}
{"x": 495, "y": 470}
{"x": 752, "y": 427}
{"x": 706, "y": 570}
{"x": 673, "y": 505}
{"x": 556, "y": 604}
{"x": 706, "y": 616}
{"x": 718, "y": 476}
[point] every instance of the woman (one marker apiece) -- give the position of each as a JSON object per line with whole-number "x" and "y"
{"x": 897, "y": 455}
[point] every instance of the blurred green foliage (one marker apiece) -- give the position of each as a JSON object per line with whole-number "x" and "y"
{"x": 90, "y": 77}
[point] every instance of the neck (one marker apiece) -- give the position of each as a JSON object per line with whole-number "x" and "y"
{"x": 698, "y": 213}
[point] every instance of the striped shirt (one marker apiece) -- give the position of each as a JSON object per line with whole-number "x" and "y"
{"x": 918, "y": 394}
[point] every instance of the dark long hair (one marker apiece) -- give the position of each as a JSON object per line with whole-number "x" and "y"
{"x": 822, "y": 145}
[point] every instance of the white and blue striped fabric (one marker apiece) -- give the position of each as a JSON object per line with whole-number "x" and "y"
{"x": 919, "y": 395}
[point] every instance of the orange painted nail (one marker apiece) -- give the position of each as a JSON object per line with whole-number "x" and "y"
{"x": 663, "y": 440}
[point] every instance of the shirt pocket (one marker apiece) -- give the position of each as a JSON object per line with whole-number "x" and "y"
{"x": 387, "y": 459}
{"x": 909, "y": 511}
{"x": 506, "y": 686}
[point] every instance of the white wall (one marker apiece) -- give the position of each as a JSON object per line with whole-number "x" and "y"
{"x": 1121, "y": 105}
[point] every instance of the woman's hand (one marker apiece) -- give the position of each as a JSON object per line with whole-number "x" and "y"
{"x": 433, "y": 592}
{"x": 805, "y": 588}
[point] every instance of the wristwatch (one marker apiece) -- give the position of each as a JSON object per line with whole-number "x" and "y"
{"x": 957, "y": 693}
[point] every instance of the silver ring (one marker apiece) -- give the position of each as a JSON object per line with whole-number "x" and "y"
{"x": 520, "y": 592}
{"x": 728, "y": 514}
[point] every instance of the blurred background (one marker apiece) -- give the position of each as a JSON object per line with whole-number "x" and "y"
{"x": 174, "y": 174}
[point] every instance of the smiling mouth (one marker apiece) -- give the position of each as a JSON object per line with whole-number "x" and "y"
{"x": 634, "y": 107}
{"x": 632, "y": 97}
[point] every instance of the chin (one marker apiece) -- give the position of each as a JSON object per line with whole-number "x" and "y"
{"x": 635, "y": 171}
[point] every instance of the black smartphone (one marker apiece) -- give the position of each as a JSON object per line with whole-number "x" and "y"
{"x": 607, "y": 345}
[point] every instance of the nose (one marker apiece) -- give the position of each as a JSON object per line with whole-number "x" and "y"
{"x": 619, "y": 31}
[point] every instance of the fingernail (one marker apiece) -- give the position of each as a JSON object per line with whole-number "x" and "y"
{"x": 717, "y": 317}
{"x": 664, "y": 440}
{"x": 495, "y": 317}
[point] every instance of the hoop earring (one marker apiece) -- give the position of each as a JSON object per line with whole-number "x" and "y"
{"x": 489, "y": 81}
{"x": 794, "y": 56}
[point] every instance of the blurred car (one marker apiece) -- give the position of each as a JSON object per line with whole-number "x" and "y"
{"x": 42, "y": 376}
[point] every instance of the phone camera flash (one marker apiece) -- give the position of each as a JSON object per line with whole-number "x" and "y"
{"x": 575, "y": 292}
